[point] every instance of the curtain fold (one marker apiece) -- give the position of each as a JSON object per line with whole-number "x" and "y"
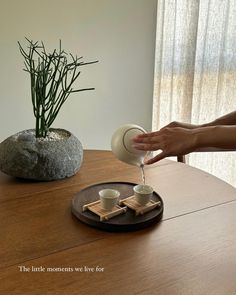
{"x": 195, "y": 70}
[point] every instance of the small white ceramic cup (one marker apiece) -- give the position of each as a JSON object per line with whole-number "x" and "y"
{"x": 143, "y": 193}
{"x": 109, "y": 198}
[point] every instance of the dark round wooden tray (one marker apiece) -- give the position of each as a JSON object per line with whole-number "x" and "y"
{"x": 124, "y": 222}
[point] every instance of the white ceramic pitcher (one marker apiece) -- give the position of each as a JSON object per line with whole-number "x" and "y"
{"x": 121, "y": 144}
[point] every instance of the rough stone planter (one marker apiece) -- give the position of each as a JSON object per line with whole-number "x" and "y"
{"x": 57, "y": 156}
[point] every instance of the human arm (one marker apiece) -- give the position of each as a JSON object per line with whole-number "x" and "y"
{"x": 228, "y": 119}
{"x": 178, "y": 141}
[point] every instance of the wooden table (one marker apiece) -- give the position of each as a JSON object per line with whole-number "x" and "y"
{"x": 46, "y": 250}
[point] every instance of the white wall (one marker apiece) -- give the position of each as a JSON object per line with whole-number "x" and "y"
{"x": 119, "y": 33}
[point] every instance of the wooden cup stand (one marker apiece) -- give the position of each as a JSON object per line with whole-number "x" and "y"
{"x": 129, "y": 215}
{"x": 130, "y": 202}
{"x": 104, "y": 214}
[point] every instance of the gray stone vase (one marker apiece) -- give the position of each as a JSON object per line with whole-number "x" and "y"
{"x": 57, "y": 156}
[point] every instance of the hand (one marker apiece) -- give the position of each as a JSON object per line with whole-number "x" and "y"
{"x": 182, "y": 125}
{"x": 172, "y": 141}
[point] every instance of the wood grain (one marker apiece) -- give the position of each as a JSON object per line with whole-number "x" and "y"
{"x": 40, "y": 223}
{"x": 186, "y": 189}
{"x": 97, "y": 166}
{"x": 191, "y": 254}
{"x": 40, "y": 226}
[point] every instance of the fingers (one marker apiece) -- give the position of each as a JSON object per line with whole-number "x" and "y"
{"x": 145, "y": 136}
{"x": 146, "y": 146}
{"x": 155, "y": 159}
{"x": 147, "y": 140}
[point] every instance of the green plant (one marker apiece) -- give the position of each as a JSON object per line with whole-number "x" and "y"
{"x": 52, "y": 76}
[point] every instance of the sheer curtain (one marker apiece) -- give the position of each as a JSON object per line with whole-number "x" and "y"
{"x": 195, "y": 70}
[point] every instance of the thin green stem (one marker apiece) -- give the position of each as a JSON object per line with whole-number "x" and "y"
{"x": 52, "y": 78}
